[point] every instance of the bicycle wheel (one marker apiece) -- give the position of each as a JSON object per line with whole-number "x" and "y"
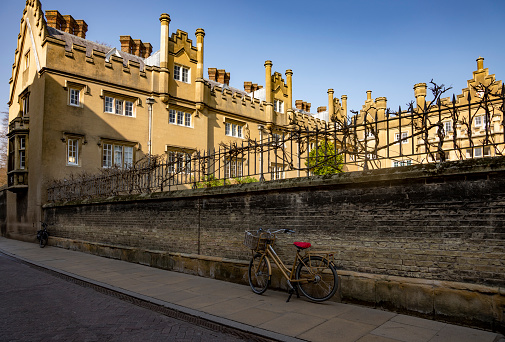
{"x": 43, "y": 240}
{"x": 319, "y": 280}
{"x": 259, "y": 273}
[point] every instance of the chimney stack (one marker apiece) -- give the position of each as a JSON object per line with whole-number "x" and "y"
{"x": 219, "y": 75}
{"x": 66, "y": 23}
{"x": 321, "y": 109}
{"x": 135, "y": 46}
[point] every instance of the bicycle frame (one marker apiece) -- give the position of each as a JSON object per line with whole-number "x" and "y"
{"x": 270, "y": 253}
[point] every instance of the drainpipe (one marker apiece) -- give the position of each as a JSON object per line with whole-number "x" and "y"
{"x": 150, "y": 102}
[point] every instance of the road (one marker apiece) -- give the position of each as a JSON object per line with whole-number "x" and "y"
{"x": 38, "y": 306}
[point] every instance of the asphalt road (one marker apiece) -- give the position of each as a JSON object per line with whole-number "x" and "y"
{"x": 37, "y": 306}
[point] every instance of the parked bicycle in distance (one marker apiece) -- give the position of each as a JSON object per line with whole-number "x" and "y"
{"x": 43, "y": 235}
{"x": 313, "y": 272}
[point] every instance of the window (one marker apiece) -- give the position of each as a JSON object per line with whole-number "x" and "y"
{"x": 179, "y": 118}
{"x": 404, "y": 137}
{"x": 27, "y": 60}
{"x": 26, "y": 104}
{"x": 179, "y": 162}
{"x": 72, "y": 152}
{"x": 22, "y": 153}
{"x": 233, "y": 130}
{"x": 128, "y": 109}
{"x": 276, "y": 171}
{"x": 402, "y": 163}
{"x": 109, "y": 105}
{"x": 279, "y": 106}
{"x": 477, "y": 152}
{"x": 74, "y": 97}
{"x": 118, "y": 106}
{"x": 233, "y": 168}
{"x": 480, "y": 121}
{"x": 117, "y": 155}
{"x": 447, "y": 127}
{"x": 181, "y": 73}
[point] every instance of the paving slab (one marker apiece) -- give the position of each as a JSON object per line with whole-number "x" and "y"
{"x": 337, "y": 329}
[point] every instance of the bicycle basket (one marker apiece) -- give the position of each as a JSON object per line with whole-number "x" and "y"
{"x": 258, "y": 240}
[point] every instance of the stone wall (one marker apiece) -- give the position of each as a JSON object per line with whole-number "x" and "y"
{"x": 433, "y": 230}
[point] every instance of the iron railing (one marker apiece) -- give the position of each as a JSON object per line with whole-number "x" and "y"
{"x": 374, "y": 138}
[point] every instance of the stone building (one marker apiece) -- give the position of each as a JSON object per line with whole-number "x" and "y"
{"x": 77, "y": 106}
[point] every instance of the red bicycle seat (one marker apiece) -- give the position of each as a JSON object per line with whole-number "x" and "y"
{"x": 302, "y": 245}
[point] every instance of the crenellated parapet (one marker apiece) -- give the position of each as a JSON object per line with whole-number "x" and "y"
{"x": 223, "y": 98}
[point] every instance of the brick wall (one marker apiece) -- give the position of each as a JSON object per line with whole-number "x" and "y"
{"x": 431, "y": 222}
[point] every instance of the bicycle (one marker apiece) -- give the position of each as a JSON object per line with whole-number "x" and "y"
{"x": 313, "y": 272}
{"x": 43, "y": 235}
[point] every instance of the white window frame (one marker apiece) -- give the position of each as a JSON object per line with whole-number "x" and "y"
{"x": 403, "y": 135}
{"x": 22, "y": 152}
{"x": 27, "y": 60}
{"x": 117, "y": 155}
{"x": 233, "y": 130}
{"x": 279, "y": 106}
{"x": 179, "y": 161}
{"x": 448, "y": 127}
{"x": 128, "y": 108}
{"x": 402, "y": 163}
{"x": 26, "y": 104}
{"x": 73, "y": 152}
{"x": 74, "y": 97}
{"x": 118, "y": 106}
{"x": 276, "y": 171}
{"x": 182, "y": 73}
{"x": 179, "y": 118}
{"x": 108, "y": 105}
{"x": 234, "y": 168}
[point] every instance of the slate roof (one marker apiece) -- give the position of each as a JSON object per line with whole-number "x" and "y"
{"x": 70, "y": 40}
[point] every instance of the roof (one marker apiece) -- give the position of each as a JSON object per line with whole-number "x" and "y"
{"x": 70, "y": 40}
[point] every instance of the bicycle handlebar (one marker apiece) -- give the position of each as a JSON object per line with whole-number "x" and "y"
{"x": 285, "y": 231}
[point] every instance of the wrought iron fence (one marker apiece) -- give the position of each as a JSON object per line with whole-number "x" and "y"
{"x": 376, "y": 137}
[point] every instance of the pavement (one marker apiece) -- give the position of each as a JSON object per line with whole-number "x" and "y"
{"x": 237, "y": 307}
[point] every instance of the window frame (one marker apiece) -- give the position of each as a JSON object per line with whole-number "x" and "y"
{"x": 22, "y": 152}
{"x": 182, "y": 73}
{"x": 118, "y": 105}
{"x": 233, "y": 129}
{"x": 180, "y": 118}
{"x": 279, "y": 106}
{"x": 403, "y": 135}
{"x": 71, "y": 91}
{"x": 69, "y": 156}
{"x": 110, "y": 152}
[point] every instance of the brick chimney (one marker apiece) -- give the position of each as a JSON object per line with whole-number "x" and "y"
{"x": 302, "y": 105}
{"x": 212, "y": 74}
{"x": 135, "y": 46}
{"x": 148, "y": 49}
{"x": 219, "y": 75}
{"x": 249, "y": 87}
{"x": 321, "y": 109}
{"x": 66, "y": 23}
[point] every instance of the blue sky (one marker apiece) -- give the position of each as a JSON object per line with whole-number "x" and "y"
{"x": 350, "y": 46}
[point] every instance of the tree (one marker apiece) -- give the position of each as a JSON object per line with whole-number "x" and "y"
{"x": 327, "y": 161}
